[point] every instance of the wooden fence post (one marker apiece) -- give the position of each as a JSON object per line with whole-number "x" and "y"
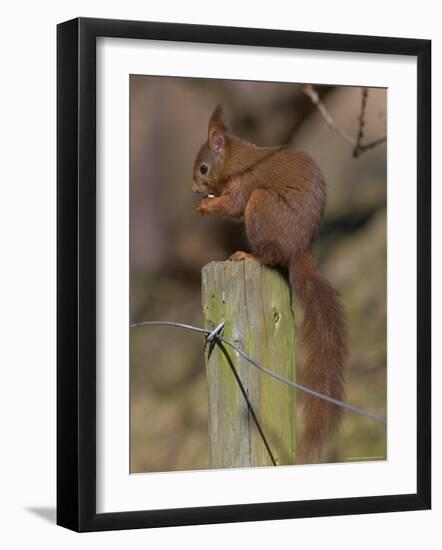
{"x": 255, "y": 303}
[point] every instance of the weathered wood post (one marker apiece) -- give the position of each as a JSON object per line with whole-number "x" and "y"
{"x": 255, "y": 303}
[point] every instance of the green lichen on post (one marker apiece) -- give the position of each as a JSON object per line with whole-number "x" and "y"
{"x": 255, "y": 303}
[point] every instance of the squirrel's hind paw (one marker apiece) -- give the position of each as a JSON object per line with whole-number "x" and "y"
{"x": 240, "y": 255}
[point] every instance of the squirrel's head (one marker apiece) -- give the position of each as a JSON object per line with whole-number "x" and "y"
{"x": 209, "y": 162}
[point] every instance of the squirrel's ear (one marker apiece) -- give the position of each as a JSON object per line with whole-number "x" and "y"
{"x": 217, "y": 130}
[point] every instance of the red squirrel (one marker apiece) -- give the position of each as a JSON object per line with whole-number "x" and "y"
{"x": 279, "y": 193}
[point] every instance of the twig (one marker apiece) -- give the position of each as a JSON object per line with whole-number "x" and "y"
{"x": 367, "y": 146}
{"x": 361, "y": 122}
{"x": 313, "y": 95}
{"x": 358, "y": 147}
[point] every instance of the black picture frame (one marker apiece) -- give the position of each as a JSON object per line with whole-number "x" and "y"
{"x": 76, "y": 274}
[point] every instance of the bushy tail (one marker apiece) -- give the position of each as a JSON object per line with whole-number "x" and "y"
{"x": 323, "y": 336}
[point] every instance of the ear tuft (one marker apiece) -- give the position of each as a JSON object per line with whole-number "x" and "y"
{"x": 217, "y": 117}
{"x": 217, "y": 130}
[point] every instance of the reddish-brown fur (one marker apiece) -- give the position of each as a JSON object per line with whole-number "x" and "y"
{"x": 280, "y": 195}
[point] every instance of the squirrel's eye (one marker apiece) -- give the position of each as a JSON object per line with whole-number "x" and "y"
{"x": 204, "y": 168}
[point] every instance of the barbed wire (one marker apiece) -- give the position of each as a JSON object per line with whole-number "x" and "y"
{"x": 215, "y": 335}
{"x": 212, "y": 339}
{"x": 246, "y": 398}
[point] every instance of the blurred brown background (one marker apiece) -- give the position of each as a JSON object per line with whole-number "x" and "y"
{"x": 170, "y": 243}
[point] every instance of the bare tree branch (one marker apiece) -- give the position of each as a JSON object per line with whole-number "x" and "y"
{"x": 313, "y": 95}
{"x": 356, "y": 143}
{"x": 361, "y": 121}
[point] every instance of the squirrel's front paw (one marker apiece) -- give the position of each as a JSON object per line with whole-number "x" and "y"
{"x": 204, "y": 207}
